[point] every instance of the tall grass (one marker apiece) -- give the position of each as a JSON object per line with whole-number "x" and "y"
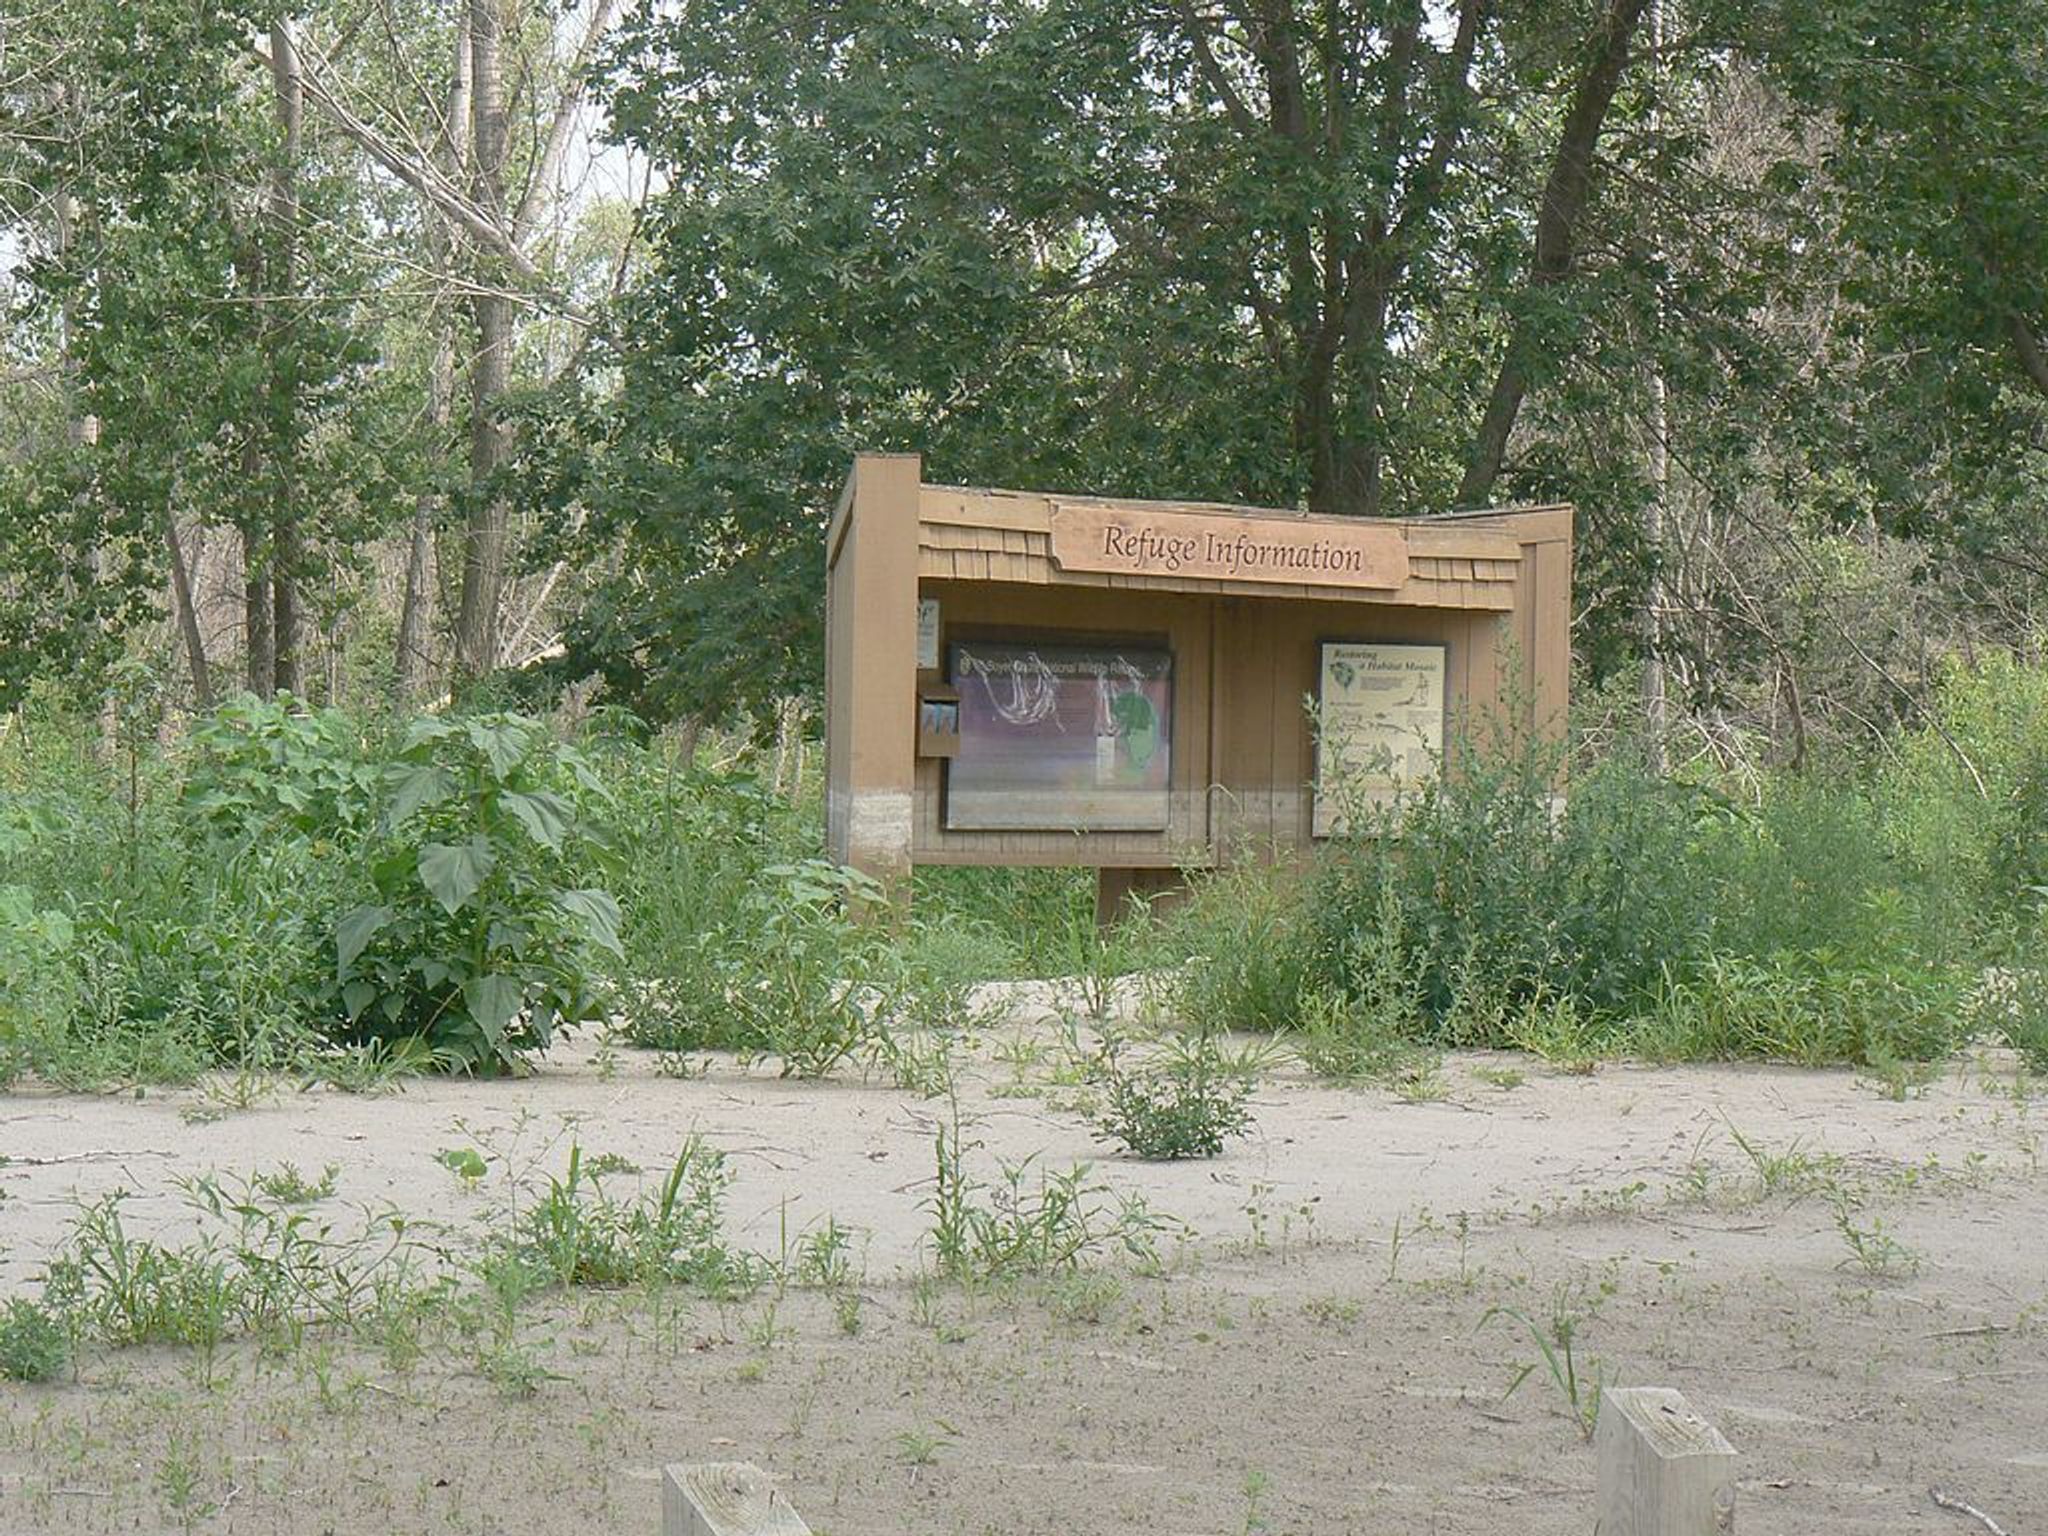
{"x": 169, "y": 901}
{"x": 1832, "y": 916}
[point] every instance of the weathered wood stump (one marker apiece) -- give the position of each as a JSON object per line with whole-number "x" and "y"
{"x": 724, "y": 1498}
{"x": 1664, "y": 1470}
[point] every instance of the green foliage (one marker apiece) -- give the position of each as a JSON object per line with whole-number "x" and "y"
{"x": 261, "y": 768}
{"x": 1961, "y": 798}
{"x": 579, "y": 1235}
{"x": 1467, "y": 900}
{"x": 1028, "y": 917}
{"x": 478, "y": 941}
{"x": 1019, "y": 1226}
{"x": 256, "y": 1266}
{"x": 1820, "y": 919}
{"x": 1184, "y": 1100}
{"x": 2012, "y": 1003}
{"x": 33, "y": 1343}
{"x": 1243, "y": 970}
{"x": 1813, "y": 1009}
{"x": 39, "y": 987}
{"x": 807, "y": 982}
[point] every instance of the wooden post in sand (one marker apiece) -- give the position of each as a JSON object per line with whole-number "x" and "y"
{"x": 724, "y": 1498}
{"x": 1664, "y": 1470}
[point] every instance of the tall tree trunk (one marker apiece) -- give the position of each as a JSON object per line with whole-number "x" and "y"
{"x": 1656, "y": 703}
{"x": 187, "y": 616}
{"x": 451, "y": 150}
{"x": 416, "y": 607}
{"x": 483, "y": 551}
{"x": 259, "y": 660}
{"x": 287, "y": 550}
{"x": 1565, "y": 196}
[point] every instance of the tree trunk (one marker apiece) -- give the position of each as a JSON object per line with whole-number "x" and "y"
{"x": 259, "y": 660}
{"x": 416, "y": 609}
{"x": 1565, "y": 196}
{"x": 287, "y": 554}
{"x": 187, "y": 617}
{"x": 1656, "y": 702}
{"x": 483, "y": 550}
{"x": 451, "y": 150}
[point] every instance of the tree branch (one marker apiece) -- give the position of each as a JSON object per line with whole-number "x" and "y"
{"x": 1565, "y": 196}
{"x": 571, "y": 99}
{"x": 421, "y": 178}
{"x": 2028, "y": 347}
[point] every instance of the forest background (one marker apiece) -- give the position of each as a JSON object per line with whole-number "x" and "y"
{"x": 438, "y": 365}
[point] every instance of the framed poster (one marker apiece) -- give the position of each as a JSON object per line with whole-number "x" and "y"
{"x": 1060, "y": 737}
{"x": 1381, "y": 727}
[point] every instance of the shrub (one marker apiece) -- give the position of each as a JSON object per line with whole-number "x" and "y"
{"x": 33, "y": 1343}
{"x": 805, "y": 981}
{"x": 1186, "y": 1102}
{"x": 1247, "y": 962}
{"x": 1961, "y": 797}
{"x": 259, "y": 767}
{"x": 1808, "y": 871}
{"x": 478, "y": 942}
{"x": 2013, "y": 1003}
{"x": 1623, "y": 888}
{"x": 38, "y": 982}
{"x": 685, "y": 850}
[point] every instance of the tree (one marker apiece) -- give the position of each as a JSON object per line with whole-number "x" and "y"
{"x": 1280, "y": 253}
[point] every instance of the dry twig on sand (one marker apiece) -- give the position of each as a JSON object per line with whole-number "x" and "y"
{"x": 1963, "y": 1507}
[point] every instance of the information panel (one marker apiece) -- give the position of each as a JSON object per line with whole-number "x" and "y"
{"x": 1068, "y": 738}
{"x": 1381, "y": 728}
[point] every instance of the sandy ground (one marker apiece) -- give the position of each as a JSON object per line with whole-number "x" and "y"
{"x": 1317, "y": 1359}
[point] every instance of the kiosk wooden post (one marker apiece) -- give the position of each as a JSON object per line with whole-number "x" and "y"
{"x": 871, "y": 660}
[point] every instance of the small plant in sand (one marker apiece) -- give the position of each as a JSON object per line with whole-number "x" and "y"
{"x": 577, "y": 1234}
{"x": 1578, "y": 1384}
{"x": 1792, "y": 1171}
{"x": 33, "y": 1343}
{"x": 1184, "y": 1100}
{"x": 287, "y": 1186}
{"x": 1873, "y": 1247}
{"x": 1021, "y": 1226}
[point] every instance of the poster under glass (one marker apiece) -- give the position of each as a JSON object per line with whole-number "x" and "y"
{"x": 1380, "y": 730}
{"x": 1059, "y": 737}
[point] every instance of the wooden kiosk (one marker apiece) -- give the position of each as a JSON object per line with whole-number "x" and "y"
{"x": 1024, "y": 678}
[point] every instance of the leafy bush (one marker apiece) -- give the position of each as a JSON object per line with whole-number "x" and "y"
{"x": 260, "y": 767}
{"x": 1463, "y": 866}
{"x": 686, "y": 851}
{"x": 1185, "y": 1102}
{"x": 33, "y": 1343}
{"x": 38, "y": 982}
{"x": 1961, "y": 798}
{"x": 2012, "y": 1002}
{"x": 805, "y": 981}
{"x": 1808, "y": 871}
{"x": 478, "y": 942}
